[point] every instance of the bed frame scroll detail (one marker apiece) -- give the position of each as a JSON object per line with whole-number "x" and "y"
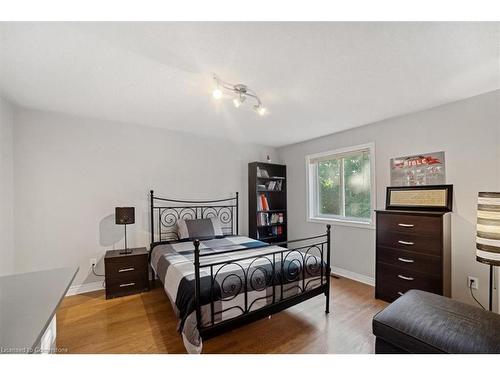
{"x": 312, "y": 259}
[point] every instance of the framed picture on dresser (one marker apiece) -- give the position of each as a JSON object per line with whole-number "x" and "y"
{"x": 420, "y": 198}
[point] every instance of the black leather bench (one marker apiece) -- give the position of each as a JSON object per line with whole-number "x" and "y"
{"x": 422, "y": 322}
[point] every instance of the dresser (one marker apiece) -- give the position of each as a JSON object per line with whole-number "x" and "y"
{"x": 412, "y": 252}
{"x": 126, "y": 273}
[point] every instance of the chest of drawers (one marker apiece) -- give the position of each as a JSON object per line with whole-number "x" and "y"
{"x": 412, "y": 252}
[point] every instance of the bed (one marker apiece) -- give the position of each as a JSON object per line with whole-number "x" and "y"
{"x": 219, "y": 282}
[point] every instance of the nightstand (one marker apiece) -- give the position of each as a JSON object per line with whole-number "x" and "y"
{"x": 126, "y": 273}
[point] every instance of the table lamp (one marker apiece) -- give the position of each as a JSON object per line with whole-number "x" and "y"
{"x": 124, "y": 216}
{"x": 488, "y": 233}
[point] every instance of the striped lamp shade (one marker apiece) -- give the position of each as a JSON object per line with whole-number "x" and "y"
{"x": 488, "y": 229}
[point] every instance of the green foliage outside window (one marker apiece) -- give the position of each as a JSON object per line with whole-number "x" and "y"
{"x": 345, "y": 179}
{"x": 330, "y": 201}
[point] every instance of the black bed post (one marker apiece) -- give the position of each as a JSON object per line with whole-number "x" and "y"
{"x": 237, "y": 213}
{"x": 328, "y": 270}
{"x": 197, "y": 282}
{"x": 151, "y": 201}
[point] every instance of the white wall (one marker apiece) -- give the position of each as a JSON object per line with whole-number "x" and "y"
{"x": 6, "y": 188}
{"x": 71, "y": 172}
{"x": 468, "y": 132}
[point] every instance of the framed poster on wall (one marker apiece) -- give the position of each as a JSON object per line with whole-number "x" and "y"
{"x": 416, "y": 170}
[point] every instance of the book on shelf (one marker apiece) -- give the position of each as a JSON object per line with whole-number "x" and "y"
{"x": 277, "y": 231}
{"x": 267, "y": 219}
{"x": 262, "y": 219}
{"x": 274, "y": 218}
{"x": 262, "y": 173}
{"x": 271, "y": 186}
{"x": 264, "y": 205}
{"x": 271, "y": 232}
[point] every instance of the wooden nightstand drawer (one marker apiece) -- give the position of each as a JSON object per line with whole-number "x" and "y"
{"x": 126, "y": 267}
{"x": 126, "y": 273}
{"x": 118, "y": 288}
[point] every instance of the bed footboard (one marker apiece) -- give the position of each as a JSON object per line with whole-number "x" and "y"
{"x": 232, "y": 292}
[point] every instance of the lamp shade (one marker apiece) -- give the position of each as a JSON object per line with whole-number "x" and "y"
{"x": 124, "y": 215}
{"x": 488, "y": 229}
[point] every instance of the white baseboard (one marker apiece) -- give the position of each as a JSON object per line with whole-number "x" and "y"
{"x": 84, "y": 288}
{"x": 353, "y": 275}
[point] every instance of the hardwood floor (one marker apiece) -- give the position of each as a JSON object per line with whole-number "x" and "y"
{"x": 145, "y": 323}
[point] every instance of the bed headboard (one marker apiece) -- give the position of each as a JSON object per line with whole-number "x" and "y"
{"x": 166, "y": 212}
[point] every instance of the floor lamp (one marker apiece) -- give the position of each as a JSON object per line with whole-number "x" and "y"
{"x": 488, "y": 233}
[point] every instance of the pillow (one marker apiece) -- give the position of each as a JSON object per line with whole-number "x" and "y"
{"x": 199, "y": 228}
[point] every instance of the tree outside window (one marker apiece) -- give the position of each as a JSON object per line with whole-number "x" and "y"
{"x": 343, "y": 186}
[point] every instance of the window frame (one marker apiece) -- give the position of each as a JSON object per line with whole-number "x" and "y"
{"x": 312, "y": 178}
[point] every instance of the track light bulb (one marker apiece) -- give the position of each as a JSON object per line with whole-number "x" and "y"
{"x": 260, "y": 110}
{"x": 237, "y": 102}
{"x": 217, "y": 94}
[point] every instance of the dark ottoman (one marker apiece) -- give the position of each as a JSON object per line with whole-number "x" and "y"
{"x": 422, "y": 322}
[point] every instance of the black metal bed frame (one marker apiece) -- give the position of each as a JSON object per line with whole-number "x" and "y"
{"x": 168, "y": 211}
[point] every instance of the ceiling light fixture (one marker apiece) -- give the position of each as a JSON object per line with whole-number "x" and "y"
{"x": 241, "y": 91}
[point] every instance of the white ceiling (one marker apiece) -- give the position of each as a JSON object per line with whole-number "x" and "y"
{"x": 314, "y": 78}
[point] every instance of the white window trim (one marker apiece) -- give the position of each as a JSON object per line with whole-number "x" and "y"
{"x": 311, "y": 196}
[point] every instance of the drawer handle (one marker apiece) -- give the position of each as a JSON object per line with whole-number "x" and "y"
{"x": 406, "y": 260}
{"x": 406, "y": 278}
{"x": 400, "y": 293}
{"x": 125, "y": 285}
{"x": 126, "y": 269}
{"x": 406, "y": 243}
{"x": 406, "y": 225}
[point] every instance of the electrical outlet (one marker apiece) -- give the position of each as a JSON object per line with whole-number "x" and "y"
{"x": 92, "y": 262}
{"x": 474, "y": 281}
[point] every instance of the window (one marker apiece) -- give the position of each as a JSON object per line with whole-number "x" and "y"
{"x": 340, "y": 185}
